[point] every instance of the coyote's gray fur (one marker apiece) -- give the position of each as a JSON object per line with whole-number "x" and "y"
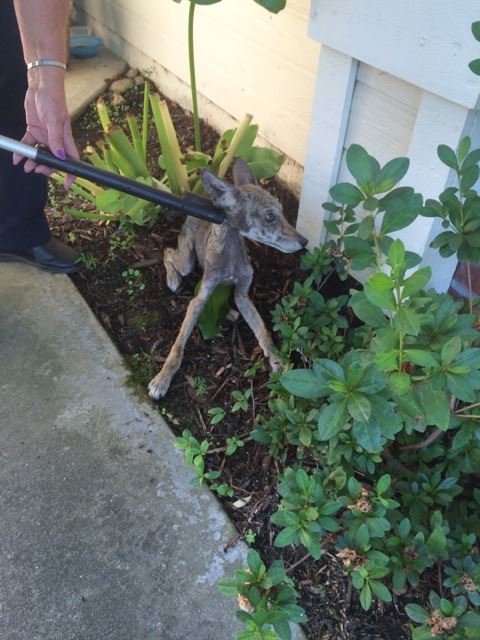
{"x": 251, "y": 212}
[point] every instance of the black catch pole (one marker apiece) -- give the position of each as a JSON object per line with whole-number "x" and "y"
{"x": 190, "y": 204}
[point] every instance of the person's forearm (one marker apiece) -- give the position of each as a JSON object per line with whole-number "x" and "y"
{"x": 43, "y": 27}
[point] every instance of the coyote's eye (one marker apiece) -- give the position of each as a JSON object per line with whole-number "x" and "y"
{"x": 269, "y": 216}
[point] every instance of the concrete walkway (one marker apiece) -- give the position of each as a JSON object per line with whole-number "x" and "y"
{"x": 101, "y": 535}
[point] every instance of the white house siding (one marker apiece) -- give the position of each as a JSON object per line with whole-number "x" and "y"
{"x": 382, "y": 116}
{"x": 248, "y": 61}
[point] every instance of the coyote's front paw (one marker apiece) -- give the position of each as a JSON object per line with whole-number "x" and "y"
{"x": 275, "y": 362}
{"x": 158, "y": 386}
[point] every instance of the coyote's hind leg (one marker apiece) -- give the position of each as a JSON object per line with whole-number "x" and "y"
{"x": 180, "y": 261}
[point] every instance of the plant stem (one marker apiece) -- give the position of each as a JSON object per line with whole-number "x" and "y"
{"x": 468, "y": 407}
{"x": 436, "y": 433}
{"x": 136, "y": 137}
{"x": 103, "y": 114}
{"x": 234, "y": 144}
{"x": 124, "y": 153}
{"x": 193, "y": 79}
{"x": 470, "y": 292}
{"x": 146, "y": 105}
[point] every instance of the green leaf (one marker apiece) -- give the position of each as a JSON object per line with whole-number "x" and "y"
{"x": 469, "y": 178}
{"x": 401, "y": 206}
{"x": 436, "y": 404}
{"x": 301, "y": 478}
{"x": 363, "y": 167}
{"x": 346, "y": 193}
{"x": 422, "y": 633}
{"x": 366, "y": 597}
{"x": 331, "y": 420}
{"x": 417, "y": 613}
{"x": 373, "y": 380}
{"x": 263, "y": 162}
{"x": 437, "y": 541}
{"x": 305, "y": 436}
{"x": 471, "y": 619}
{"x": 303, "y": 383}
{"x": 412, "y": 259}
{"x": 108, "y": 201}
{"x": 366, "y": 227}
{"x": 254, "y": 561}
{"x": 276, "y": 572}
{"x": 420, "y": 357}
{"x": 476, "y": 30}
{"x": 384, "y": 484}
{"x": 282, "y": 629}
{"x": 450, "y": 238}
{"x": 447, "y": 156}
{"x": 408, "y": 321}
{"x": 472, "y": 159}
{"x": 461, "y": 387}
{"x": 214, "y": 312}
{"x": 463, "y": 147}
{"x": 475, "y": 66}
{"x": 404, "y": 528}
{"x": 227, "y": 587}
{"x": 390, "y": 174}
{"x": 362, "y": 537}
{"x": 286, "y": 536}
{"x": 332, "y": 227}
{"x": 380, "y": 590}
{"x": 355, "y": 247}
{"x": 382, "y": 299}
{"x": 400, "y": 382}
{"x": 451, "y": 349}
{"x": 416, "y": 281}
{"x": 274, "y": 6}
{"x": 368, "y": 436}
{"x": 359, "y": 407}
{"x": 379, "y": 282}
{"x": 396, "y": 255}
{"x": 246, "y": 144}
{"x": 366, "y": 311}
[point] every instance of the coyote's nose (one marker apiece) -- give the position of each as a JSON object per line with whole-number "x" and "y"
{"x": 303, "y": 241}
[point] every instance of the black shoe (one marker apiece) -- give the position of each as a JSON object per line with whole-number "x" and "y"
{"x": 52, "y": 256}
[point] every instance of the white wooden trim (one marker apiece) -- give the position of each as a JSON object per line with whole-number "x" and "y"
{"x": 427, "y": 43}
{"x": 438, "y": 121}
{"x": 332, "y": 101}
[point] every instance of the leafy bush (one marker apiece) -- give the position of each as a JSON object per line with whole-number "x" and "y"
{"x": 386, "y": 413}
{"x": 266, "y": 598}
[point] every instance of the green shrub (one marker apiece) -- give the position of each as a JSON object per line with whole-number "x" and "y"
{"x": 386, "y": 414}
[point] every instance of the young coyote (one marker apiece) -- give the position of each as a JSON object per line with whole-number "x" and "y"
{"x": 251, "y": 212}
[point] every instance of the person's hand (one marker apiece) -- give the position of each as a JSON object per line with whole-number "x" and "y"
{"x": 48, "y": 121}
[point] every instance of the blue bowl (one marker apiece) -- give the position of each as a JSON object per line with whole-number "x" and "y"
{"x": 84, "y": 46}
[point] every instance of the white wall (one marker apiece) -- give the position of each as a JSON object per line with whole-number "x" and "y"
{"x": 248, "y": 61}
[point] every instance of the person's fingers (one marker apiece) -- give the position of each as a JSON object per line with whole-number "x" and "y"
{"x": 43, "y": 170}
{"x": 27, "y": 139}
{"x": 70, "y": 146}
{"x": 71, "y": 150}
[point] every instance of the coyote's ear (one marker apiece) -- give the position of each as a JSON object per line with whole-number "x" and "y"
{"x": 223, "y": 194}
{"x": 242, "y": 174}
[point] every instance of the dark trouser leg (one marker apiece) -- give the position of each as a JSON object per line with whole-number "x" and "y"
{"x": 22, "y": 196}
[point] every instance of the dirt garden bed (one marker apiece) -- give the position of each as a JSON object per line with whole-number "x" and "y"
{"x": 142, "y": 316}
